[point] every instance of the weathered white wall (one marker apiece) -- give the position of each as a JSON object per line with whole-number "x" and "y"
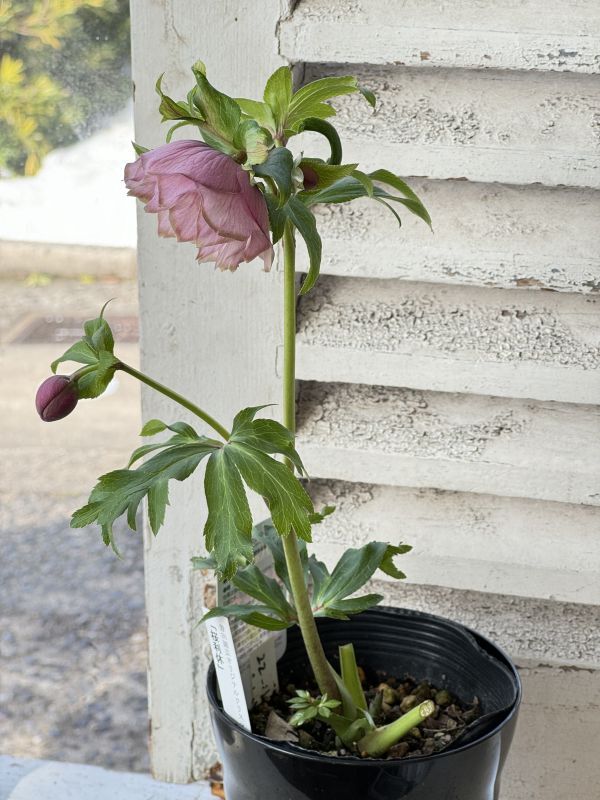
{"x": 449, "y": 383}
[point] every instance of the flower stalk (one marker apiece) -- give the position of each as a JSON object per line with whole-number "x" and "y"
{"x": 177, "y": 398}
{"x": 301, "y": 598}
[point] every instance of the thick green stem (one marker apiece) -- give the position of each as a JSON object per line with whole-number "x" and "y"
{"x": 306, "y": 620}
{"x": 216, "y": 426}
{"x": 378, "y": 742}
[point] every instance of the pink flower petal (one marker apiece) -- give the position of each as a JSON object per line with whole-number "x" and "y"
{"x": 204, "y": 196}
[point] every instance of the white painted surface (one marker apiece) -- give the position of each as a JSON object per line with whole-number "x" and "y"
{"x": 511, "y": 127}
{"x": 78, "y": 196}
{"x": 453, "y": 339}
{"x": 402, "y": 437}
{"x": 527, "y": 548}
{"x": 532, "y": 35}
{"x": 484, "y": 235}
{"x": 211, "y": 335}
{"x": 51, "y": 780}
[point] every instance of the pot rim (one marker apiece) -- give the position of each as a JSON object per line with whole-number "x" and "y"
{"x": 295, "y": 751}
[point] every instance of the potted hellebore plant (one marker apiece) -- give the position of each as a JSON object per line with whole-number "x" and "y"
{"x": 375, "y": 702}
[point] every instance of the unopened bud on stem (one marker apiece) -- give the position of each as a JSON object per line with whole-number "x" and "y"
{"x": 56, "y": 398}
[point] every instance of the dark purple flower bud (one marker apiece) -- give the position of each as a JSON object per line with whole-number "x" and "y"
{"x": 56, "y": 397}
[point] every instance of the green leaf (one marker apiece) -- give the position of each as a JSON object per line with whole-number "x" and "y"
{"x": 152, "y": 427}
{"x": 221, "y": 113}
{"x": 319, "y": 575}
{"x": 81, "y": 352}
{"x": 255, "y": 615}
{"x": 278, "y": 167}
{"x": 95, "y": 349}
{"x": 121, "y": 491}
{"x": 343, "y": 609}
{"x": 329, "y": 132}
{"x": 266, "y": 435}
{"x": 228, "y": 529}
{"x": 277, "y": 217}
{"x": 387, "y": 562}
{"x": 289, "y": 504}
{"x": 366, "y": 181}
{"x": 257, "y": 111}
{"x": 139, "y": 149}
{"x": 171, "y": 109}
{"x": 309, "y": 101}
{"x": 267, "y": 533}
{"x": 266, "y": 590}
{"x": 411, "y": 201}
{"x": 319, "y": 516}
{"x": 278, "y": 95}
{"x": 327, "y": 174}
{"x": 353, "y": 570}
{"x": 304, "y": 221}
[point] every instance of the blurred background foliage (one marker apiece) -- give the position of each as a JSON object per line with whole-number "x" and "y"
{"x": 64, "y": 67}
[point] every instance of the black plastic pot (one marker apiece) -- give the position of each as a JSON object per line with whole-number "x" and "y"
{"x": 397, "y": 641}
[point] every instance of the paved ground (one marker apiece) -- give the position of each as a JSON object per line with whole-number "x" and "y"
{"x": 72, "y": 624}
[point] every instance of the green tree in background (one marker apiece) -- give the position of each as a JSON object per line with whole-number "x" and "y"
{"x": 64, "y": 66}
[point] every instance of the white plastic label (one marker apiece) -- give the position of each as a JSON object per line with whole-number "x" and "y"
{"x": 245, "y": 657}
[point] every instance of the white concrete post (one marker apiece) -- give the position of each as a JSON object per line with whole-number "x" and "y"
{"x": 211, "y": 336}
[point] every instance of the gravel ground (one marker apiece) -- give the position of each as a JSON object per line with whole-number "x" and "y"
{"x": 72, "y": 620}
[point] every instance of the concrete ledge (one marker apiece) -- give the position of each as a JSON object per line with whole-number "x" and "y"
{"x": 26, "y": 779}
{"x": 19, "y": 259}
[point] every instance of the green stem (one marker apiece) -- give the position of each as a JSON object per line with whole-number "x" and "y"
{"x": 216, "y": 426}
{"x": 378, "y": 742}
{"x": 306, "y": 620}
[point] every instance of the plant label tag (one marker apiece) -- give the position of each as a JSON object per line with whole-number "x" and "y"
{"x": 227, "y": 668}
{"x": 257, "y": 650}
{"x": 245, "y": 657}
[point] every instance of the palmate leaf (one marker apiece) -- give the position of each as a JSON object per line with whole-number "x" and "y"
{"x": 331, "y": 593}
{"x": 246, "y": 458}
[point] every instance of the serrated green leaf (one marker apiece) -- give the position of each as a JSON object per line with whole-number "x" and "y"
{"x": 266, "y": 590}
{"x": 121, "y": 491}
{"x": 319, "y": 516}
{"x": 288, "y": 502}
{"x": 158, "y": 500}
{"x": 228, "y": 529}
{"x": 304, "y": 221}
{"x": 410, "y": 200}
{"x": 278, "y": 167}
{"x": 387, "y": 562}
{"x": 278, "y": 95}
{"x": 353, "y": 570}
{"x": 266, "y": 435}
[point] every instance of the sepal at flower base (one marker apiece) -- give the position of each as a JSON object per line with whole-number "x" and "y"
{"x": 95, "y": 350}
